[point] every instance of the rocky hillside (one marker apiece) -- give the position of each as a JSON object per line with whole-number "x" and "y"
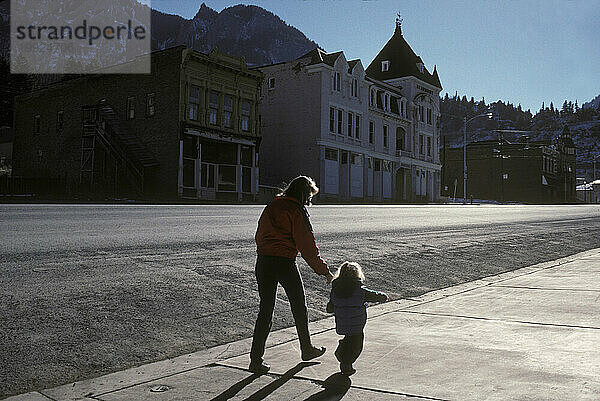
{"x": 258, "y": 35}
{"x": 249, "y": 31}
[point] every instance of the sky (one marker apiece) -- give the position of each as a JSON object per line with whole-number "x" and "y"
{"x": 524, "y": 52}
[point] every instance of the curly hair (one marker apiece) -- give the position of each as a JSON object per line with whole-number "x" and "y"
{"x": 350, "y": 270}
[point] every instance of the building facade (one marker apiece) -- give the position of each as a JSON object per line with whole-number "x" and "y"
{"x": 365, "y": 135}
{"x": 187, "y": 130}
{"x": 523, "y": 171}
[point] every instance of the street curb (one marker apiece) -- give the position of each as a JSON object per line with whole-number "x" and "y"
{"x": 99, "y": 386}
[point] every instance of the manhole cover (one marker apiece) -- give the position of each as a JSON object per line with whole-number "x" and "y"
{"x": 159, "y": 389}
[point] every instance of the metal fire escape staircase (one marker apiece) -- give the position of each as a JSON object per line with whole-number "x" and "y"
{"x": 102, "y": 129}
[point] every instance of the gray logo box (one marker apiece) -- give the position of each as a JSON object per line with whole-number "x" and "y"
{"x": 80, "y": 36}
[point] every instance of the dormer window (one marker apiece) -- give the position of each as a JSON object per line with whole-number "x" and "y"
{"x": 385, "y": 65}
{"x": 420, "y": 66}
{"x": 336, "y": 81}
{"x": 271, "y": 83}
{"x": 354, "y": 88}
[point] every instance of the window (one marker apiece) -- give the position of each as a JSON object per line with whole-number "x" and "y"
{"x": 385, "y": 66}
{"x": 213, "y": 107}
{"x": 190, "y": 154}
{"x": 227, "y": 178}
{"x": 356, "y": 159}
{"x": 354, "y": 89}
{"x": 385, "y": 136}
{"x": 371, "y": 131}
{"x": 150, "y": 109}
{"x": 350, "y": 121}
{"x": 387, "y": 165}
{"x": 246, "y": 179}
{"x": 421, "y": 113}
{"x": 421, "y": 144}
{"x": 331, "y": 154}
{"x": 245, "y": 115}
{"x": 344, "y": 157}
{"x": 339, "y": 122}
{"x": 271, "y": 83}
{"x": 332, "y": 119}
{"x": 429, "y": 116}
{"x": 227, "y": 110}
{"x": 372, "y": 98}
{"x": 194, "y": 102}
{"x": 369, "y": 162}
{"x": 246, "y": 155}
{"x": 357, "y": 126}
{"x": 428, "y": 146}
{"x": 37, "y": 123}
{"x": 336, "y": 81}
{"x": 386, "y": 107}
{"x": 377, "y": 165}
{"x": 400, "y": 138}
{"x": 131, "y": 108}
{"x": 402, "y": 110}
{"x": 207, "y": 175}
{"x": 60, "y": 120}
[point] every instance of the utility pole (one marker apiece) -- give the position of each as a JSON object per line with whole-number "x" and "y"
{"x": 464, "y": 160}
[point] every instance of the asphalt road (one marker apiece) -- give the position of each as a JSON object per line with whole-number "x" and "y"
{"x": 39, "y": 229}
{"x": 90, "y": 289}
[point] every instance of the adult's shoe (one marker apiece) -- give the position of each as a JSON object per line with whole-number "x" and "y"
{"x": 312, "y": 353}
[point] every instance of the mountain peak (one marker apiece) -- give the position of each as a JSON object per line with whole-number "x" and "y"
{"x": 205, "y": 12}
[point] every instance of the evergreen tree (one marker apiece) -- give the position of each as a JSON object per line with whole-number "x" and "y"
{"x": 564, "y": 109}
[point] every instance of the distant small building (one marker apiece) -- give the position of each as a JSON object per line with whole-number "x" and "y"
{"x": 189, "y": 129}
{"x": 522, "y": 171}
{"x": 588, "y": 192}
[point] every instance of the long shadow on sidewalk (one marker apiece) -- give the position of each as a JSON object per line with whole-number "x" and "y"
{"x": 334, "y": 388}
{"x": 265, "y": 391}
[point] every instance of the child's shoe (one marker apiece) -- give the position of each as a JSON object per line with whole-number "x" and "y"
{"x": 347, "y": 369}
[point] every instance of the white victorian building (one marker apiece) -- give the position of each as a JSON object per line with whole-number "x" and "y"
{"x": 364, "y": 135}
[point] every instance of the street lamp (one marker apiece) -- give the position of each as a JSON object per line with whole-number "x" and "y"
{"x": 465, "y": 121}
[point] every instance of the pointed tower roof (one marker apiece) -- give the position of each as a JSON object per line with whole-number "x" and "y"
{"x": 403, "y": 62}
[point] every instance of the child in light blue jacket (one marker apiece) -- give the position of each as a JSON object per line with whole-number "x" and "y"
{"x": 348, "y": 303}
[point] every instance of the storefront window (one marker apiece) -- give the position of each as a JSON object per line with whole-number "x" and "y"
{"x": 227, "y": 178}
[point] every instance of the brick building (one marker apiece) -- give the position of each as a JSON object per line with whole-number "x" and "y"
{"x": 364, "y": 134}
{"x": 187, "y": 130}
{"x": 522, "y": 171}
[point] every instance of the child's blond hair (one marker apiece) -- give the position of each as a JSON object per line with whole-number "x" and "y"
{"x": 350, "y": 270}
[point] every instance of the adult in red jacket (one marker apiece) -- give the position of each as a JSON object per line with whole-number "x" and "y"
{"x": 283, "y": 230}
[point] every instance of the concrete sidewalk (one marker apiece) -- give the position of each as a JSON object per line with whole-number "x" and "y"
{"x": 530, "y": 334}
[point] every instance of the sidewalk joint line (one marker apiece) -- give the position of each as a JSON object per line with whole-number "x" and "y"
{"x": 548, "y": 289}
{"x": 321, "y": 382}
{"x": 46, "y": 395}
{"x": 490, "y": 319}
{"x": 148, "y": 381}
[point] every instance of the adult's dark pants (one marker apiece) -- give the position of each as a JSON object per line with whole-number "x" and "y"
{"x": 349, "y": 348}
{"x": 271, "y": 270}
